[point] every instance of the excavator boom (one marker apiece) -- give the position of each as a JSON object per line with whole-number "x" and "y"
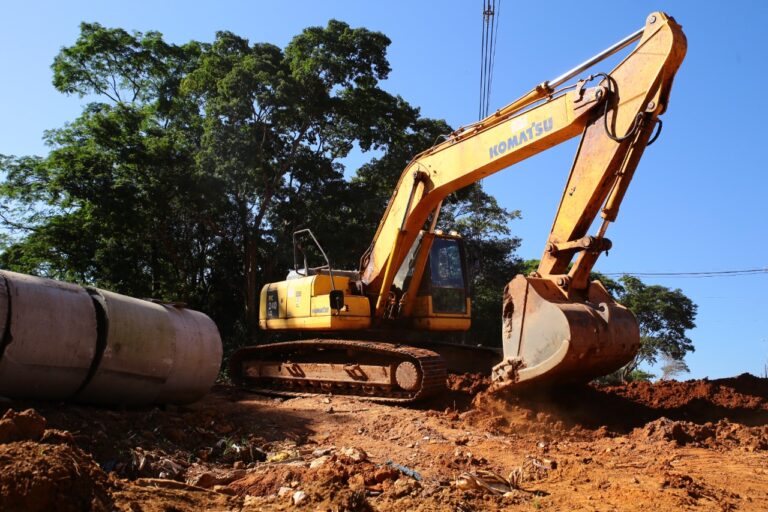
{"x": 630, "y": 99}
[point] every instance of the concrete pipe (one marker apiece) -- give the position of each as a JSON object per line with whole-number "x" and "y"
{"x": 61, "y": 341}
{"x": 49, "y": 337}
{"x": 197, "y": 360}
{"x": 153, "y": 354}
{"x": 138, "y": 355}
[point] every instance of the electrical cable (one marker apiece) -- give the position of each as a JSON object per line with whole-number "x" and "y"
{"x": 482, "y": 65}
{"x": 712, "y": 273}
{"x": 490, "y": 28}
{"x": 497, "y": 14}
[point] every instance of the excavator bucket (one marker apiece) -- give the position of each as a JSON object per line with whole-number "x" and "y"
{"x": 550, "y": 338}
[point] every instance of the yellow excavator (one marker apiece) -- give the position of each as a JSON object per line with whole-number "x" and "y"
{"x": 558, "y": 327}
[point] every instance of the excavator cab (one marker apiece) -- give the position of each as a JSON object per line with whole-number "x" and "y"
{"x": 444, "y": 280}
{"x": 433, "y": 285}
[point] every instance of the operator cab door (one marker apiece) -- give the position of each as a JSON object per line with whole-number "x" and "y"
{"x": 441, "y": 300}
{"x": 445, "y": 277}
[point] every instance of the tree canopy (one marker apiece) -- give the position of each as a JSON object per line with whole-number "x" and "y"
{"x": 664, "y": 316}
{"x": 191, "y": 166}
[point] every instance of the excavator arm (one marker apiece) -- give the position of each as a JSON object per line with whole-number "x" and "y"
{"x": 616, "y": 118}
{"x": 557, "y": 325}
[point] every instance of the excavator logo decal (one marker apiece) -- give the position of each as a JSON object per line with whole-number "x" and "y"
{"x": 533, "y": 131}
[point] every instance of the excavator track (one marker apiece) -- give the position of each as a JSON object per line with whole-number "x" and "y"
{"x": 381, "y": 372}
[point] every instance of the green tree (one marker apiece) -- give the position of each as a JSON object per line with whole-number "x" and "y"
{"x": 171, "y": 181}
{"x": 191, "y": 166}
{"x": 111, "y": 203}
{"x": 664, "y": 316}
{"x": 275, "y": 124}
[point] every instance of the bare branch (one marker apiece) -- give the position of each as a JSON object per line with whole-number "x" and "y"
{"x": 16, "y": 225}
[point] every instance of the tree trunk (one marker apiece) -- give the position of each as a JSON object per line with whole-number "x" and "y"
{"x": 251, "y": 291}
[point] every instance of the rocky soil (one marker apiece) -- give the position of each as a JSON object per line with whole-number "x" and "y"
{"x": 696, "y": 445}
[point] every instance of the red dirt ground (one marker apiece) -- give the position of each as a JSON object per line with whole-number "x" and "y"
{"x": 696, "y": 445}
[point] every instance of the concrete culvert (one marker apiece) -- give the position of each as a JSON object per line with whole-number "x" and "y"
{"x": 62, "y": 341}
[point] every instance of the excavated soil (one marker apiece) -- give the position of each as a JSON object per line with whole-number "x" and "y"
{"x": 695, "y": 445}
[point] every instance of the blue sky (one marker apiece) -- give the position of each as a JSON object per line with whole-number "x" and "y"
{"x": 698, "y": 199}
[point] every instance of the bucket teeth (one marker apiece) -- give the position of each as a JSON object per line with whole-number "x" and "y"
{"x": 506, "y": 371}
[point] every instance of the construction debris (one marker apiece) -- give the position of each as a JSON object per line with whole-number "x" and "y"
{"x": 404, "y": 470}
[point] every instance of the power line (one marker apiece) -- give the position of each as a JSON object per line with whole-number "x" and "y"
{"x": 711, "y": 273}
{"x": 497, "y": 10}
{"x": 482, "y": 65}
{"x": 491, "y": 10}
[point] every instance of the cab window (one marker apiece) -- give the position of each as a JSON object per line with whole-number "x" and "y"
{"x": 446, "y": 277}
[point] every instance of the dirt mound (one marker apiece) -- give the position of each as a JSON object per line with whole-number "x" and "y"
{"x": 469, "y": 383}
{"x": 598, "y": 411}
{"x": 461, "y": 389}
{"x": 743, "y": 398}
{"x": 668, "y": 445}
{"x": 20, "y": 426}
{"x": 37, "y": 475}
{"x": 45, "y": 477}
{"x": 709, "y": 435}
{"x": 150, "y": 495}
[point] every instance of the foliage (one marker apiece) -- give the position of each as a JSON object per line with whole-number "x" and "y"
{"x": 191, "y": 166}
{"x": 618, "y": 377}
{"x": 638, "y": 375}
{"x": 672, "y": 367}
{"x": 664, "y": 316}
